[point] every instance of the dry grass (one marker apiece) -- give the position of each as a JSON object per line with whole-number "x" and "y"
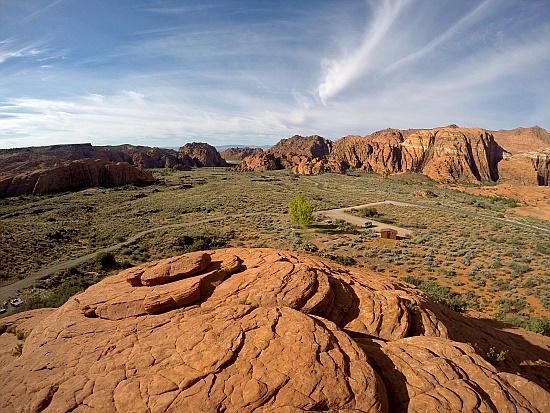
{"x": 498, "y": 268}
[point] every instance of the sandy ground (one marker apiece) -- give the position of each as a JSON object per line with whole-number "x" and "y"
{"x": 535, "y": 199}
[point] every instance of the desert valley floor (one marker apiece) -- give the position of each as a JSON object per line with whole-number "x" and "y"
{"x": 461, "y": 248}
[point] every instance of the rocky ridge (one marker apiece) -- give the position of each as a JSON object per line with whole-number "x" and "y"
{"x": 200, "y": 155}
{"x": 236, "y": 155}
{"x": 242, "y": 330}
{"x": 21, "y": 168}
{"x": 72, "y": 175}
{"x": 449, "y": 154}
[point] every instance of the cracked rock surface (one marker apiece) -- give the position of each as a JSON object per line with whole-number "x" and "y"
{"x": 264, "y": 330}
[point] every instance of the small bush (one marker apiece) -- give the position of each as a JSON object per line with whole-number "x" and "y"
{"x": 496, "y": 357}
{"x": 18, "y": 350}
{"x": 105, "y": 260}
{"x": 345, "y": 260}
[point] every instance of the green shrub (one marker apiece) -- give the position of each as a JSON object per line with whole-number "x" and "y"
{"x": 369, "y": 212}
{"x": 105, "y": 260}
{"x": 18, "y": 350}
{"x": 301, "y": 210}
{"x": 496, "y": 357}
{"x": 441, "y": 294}
{"x": 345, "y": 260}
{"x": 540, "y": 325}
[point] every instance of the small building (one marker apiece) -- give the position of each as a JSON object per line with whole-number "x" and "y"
{"x": 388, "y": 233}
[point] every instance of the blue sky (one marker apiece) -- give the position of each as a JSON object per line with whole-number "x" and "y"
{"x": 166, "y": 72}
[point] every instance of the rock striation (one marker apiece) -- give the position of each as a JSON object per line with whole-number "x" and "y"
{"x": 264, "y": 330}
{"x": 74, "y": 175}
{"x": 24, "y": 166}
{"x": 449, "y": 154}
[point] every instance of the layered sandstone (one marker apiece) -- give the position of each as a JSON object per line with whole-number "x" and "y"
{"x": 76, "y": 165}
{"x": 527, "y": 151}
{"x": 260, "y": 161}
{"x": 309, "y": 146}
{"x": 449, "y": 154}
{"x": 236, "y": 155}
{"x": 242, "y": 330}
{"x": 74, "y": 175}
{"x": 303, "y": 155}
{"x": 200, "y": 154}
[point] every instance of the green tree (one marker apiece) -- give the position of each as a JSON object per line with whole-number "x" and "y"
{"x": 301, "y": 210}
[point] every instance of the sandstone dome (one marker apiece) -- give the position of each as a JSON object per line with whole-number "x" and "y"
{"x": 265, "y": 330}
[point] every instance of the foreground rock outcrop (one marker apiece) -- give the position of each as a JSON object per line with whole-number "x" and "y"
{"x": 71, "y": 175}
{"x": 242, "y": 330}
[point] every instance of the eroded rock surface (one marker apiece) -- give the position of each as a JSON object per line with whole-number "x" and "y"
{"x": 447, "y": 154}
{"x": 236, "y": 155}
{"x": 200, "y": 154}
{"x": 70, "y": 175}
{"x": 242, "y": 330}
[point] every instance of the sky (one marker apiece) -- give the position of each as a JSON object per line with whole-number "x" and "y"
{"x": 166, "y": 72}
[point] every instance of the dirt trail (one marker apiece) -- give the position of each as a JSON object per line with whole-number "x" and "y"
{"x": 339, "y": 213}
{"x": 10, "y": 290}
{"x": 359, "y": 221}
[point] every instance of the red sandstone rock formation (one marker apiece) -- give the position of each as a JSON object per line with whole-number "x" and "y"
{"x": 309, "y": 146}
{"x": 74, "y": 175}
{"x": 242, "y": 330}
{"x": 260, "y": 161}
{"x": 526, "y": 158}
{"x": 200, "y": 154}
{"x": 448, "y": 154}
{"x": 236, "y": 155}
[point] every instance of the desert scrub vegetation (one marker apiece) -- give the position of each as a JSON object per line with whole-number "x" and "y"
{"x": 211, "y": 208}
{"x": 20, "y": 335}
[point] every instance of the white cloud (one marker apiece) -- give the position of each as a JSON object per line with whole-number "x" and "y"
{"x": 461, "y": 25}
{"x": 341, "y": 72}
{"x": 26, "y": 51}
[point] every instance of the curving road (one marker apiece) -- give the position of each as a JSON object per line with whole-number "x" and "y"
{"x": 354, "y": 220}
{"x": 340, "y": 213}
{"x": 10, "y": 290}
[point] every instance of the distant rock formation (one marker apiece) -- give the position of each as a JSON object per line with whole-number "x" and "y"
{"x": 236, "y": 155}
{"x": 71, "y": 175}
{"x": 526, "y": 155}
{"x": 24, "y": 166}
{"x": 200, "y": 155}
{"x": 264, "y": 330}
{"x": 303, "y": 155}
{"x": 260, "y": 161}
{"x": 309, "y": 146}
{"x": 26, "y": 159}
{"x": 448, "y": 154}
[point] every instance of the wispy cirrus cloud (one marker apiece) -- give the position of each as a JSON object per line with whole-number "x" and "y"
{"x": 227, "y": 71}
{"x": 341, "y": 72}
{"x": 464, "y": 23}
{"x": 8, "y": 50}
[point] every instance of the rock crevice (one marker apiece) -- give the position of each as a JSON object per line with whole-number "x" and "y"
{"x": 263, "y": 330}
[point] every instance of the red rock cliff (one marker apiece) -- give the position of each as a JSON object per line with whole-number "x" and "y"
{"x": 74, "y": 175}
